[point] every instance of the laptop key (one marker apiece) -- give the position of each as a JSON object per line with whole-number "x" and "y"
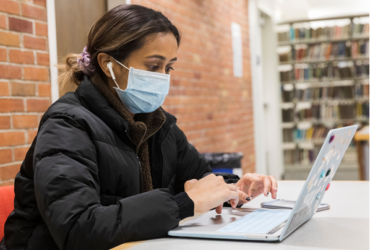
{"x": 258, "y": 222}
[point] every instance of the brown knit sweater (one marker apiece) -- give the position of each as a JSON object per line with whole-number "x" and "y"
{"x": 142, "y": 127}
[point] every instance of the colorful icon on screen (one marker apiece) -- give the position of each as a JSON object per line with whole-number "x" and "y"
{"x": 327, "y": 187}
{"x": 322, "y": 174}
{"x": 327, "y": 173}
{"x": 318, "y": 196}
{"x": 331, "y": 138}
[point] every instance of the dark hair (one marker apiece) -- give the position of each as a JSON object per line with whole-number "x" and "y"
{"x": 118, "y": 33}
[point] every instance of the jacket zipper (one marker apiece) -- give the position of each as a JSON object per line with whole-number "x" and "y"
{"x": 140, "y": 175}
{"x": 162, "y": 158}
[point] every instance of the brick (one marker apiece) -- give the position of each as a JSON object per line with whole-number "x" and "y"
{"x": 3, "y": 55}
{"x": 23, "y": 57}
{"x": 31, "y": 134}
{"x": 20, "y": 153}
{"x": 34, "y": 105}
{"x": 43, "y": 59}
{"x": 10, "y": 39}
{"x": 33, "y": 12}
{"x": 11, "y": 105}
{"x": 40, "y": 2}
{"x": 4, "y": 88}
{"x": 12, "y": 138}
{"x": 20, "y": 25}
{"x": 4, "y": 122}
{"x": 41, "y": 29}
{"x": 8, "y": 6}
{"x": 25, "y": 121}
{"x": 6, "y": 183}
{"x": 9, "y": 172}
{"x": 23, "y": 89}
{"x": 6, "y": 156}
{"x": 10, "y": 71}
{"x": 37, "y": 74}
{"x": 34, "y": 43}
{"x": 44, "y": 90}
{"x": 2, "y": 22}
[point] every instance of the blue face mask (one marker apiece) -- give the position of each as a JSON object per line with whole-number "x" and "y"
{"x": 145, "y": 90}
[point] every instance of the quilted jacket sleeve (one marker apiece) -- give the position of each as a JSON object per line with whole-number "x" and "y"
{"x": 67, "y": 193}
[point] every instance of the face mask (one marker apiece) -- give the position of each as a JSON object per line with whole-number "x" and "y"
{"x": 145, "y": 90}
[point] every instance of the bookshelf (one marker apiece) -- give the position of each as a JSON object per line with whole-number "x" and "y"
{"x": 324, "y": 82}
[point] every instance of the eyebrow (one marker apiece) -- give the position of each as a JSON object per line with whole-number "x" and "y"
{"x": 161, "y": 57}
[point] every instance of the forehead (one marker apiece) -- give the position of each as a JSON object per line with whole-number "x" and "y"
{"x": 158, "y": 44}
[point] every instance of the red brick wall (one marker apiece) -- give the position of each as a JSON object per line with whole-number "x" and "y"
{"x": 213, "y": 107}
{"x": 24, "y": 80}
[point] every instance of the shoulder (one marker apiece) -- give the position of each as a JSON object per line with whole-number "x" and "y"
{"x": 67, "y": 106}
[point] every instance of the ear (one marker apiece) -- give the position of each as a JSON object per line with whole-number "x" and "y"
{"x": 103, "y": 60}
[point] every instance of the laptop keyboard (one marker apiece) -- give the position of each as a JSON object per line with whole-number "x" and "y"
{"x": 258, "y": 222}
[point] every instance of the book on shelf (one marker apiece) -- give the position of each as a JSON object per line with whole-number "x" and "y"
{"x": 362, "y": 91}
{"x": 314, "y": 133}
{"x": 287, "y": 96}
{"x": 360, "y": 30}
{"x": 326, "y": 51}
{"x": 288, "y": 115}
{"x": 329, "y": 112}
{"x": 300, "y": 156}
{"x": 362, "y": 110}
{"x": 326, "y": 72}
{"x": 303, "y": 155}
{"x": 288, "y": 135}
{"x": 322, "y": 93}
{"x": 322, "y": 33}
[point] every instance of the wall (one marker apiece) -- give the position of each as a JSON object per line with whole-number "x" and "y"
{"x": 24, "y": 80}
{"x": 213, "y": 107}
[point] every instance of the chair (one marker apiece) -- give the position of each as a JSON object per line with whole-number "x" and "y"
{"x": 6, "y": 206}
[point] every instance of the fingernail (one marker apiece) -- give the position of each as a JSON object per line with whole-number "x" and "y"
{"x": 251, "y": 195}
{"x": 248, "y": 199}
{"x": 267, "y": 193}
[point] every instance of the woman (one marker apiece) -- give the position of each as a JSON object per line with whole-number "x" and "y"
{"x": 110, "y": 166}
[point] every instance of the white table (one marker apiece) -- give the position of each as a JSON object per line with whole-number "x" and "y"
{"x": 344, "y": 226}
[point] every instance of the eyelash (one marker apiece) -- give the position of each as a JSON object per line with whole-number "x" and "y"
{"x": 154, "y": 68}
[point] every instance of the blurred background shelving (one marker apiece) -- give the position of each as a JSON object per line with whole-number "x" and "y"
{"x": 324, "y": 82}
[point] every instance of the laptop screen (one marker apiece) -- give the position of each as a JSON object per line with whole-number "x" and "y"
{"x": 322, "y": 172}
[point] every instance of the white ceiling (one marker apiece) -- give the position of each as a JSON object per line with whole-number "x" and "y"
{"x": 285, "y": 10}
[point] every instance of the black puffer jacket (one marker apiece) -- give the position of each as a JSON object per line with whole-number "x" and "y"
{"x": 79, "y": 185}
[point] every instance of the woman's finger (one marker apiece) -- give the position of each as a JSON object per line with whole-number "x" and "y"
{"x": 254, "y": 187}
{"x": 243, "y": 197}
{"x": 247, "y": 180}
{"x": 232, "y": 187}
{"x": 234, "y": 198}
{"x": 219, "y": 209}
{"x": 267, "y": 185}
{"x": 274, "y": 187}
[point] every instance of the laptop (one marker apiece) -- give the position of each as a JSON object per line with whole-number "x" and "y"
{"x": 274, "y": 224}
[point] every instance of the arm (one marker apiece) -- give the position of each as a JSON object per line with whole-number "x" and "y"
{"x": 190, "y": 164}
{"x": 68, "y": 194}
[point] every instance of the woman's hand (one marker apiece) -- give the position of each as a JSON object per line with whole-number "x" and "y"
{"x": 252, "y": 185}
{"x": 210, "y": 192}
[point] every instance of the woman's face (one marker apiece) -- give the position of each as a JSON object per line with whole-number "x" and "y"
{"x": 158, "y": 54}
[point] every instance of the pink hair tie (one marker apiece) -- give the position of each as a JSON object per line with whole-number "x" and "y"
{"x": 84, "y": 62}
